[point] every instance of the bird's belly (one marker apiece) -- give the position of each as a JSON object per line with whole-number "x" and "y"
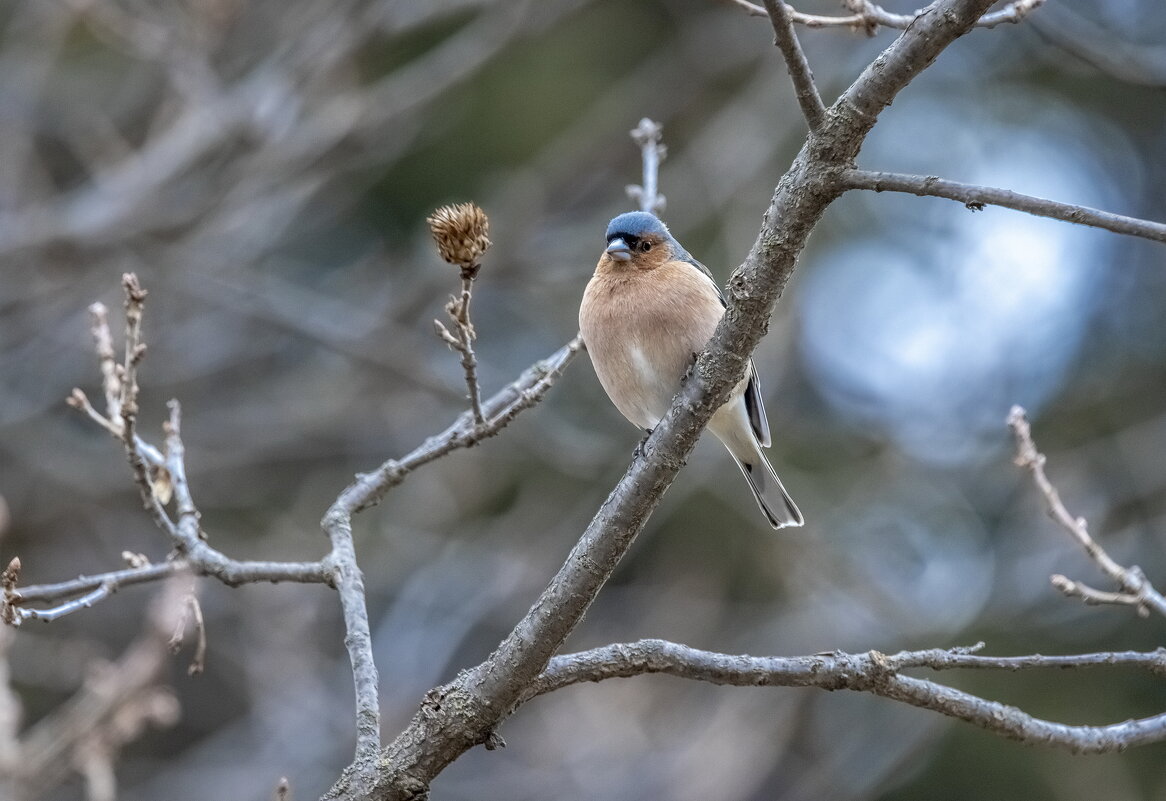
{"x": 639, "y": 382}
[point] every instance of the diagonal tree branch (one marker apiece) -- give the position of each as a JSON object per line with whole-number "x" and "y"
{"x": 795, "y": 61}
{"x": 976, "y": 197}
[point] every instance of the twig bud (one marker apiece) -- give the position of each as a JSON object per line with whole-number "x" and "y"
{"x": 462, "y": 235}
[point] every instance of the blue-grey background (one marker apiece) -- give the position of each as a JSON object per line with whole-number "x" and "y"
{"x": 266, "y": 168}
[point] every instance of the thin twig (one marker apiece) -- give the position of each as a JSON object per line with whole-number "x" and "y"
{"x": 875, "y": 673}
{"x": 499, "y": 411}
{"x": 191, "y": 609}
{"x": 80, "y": 401}
{"x": 459, "y": 312}
{"x": 107, "y": 361}
{"x": 135, "y": 350}
{"x": 232, "y": 573}
{"x": 135, "y": 298}
{"x": 976, "y": 197}
{"x": 648, "y": 135}
{"x": 116, "y": 579}
{"x": 84, "y": 602}
{"x": 813, "y": 109}
{"x": 867, "y": 17}
{"x": 157, "y": 475}
{"x": 1136, "y": 589}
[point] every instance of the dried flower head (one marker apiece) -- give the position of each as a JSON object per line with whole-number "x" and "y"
{"x": 462, "y": 235}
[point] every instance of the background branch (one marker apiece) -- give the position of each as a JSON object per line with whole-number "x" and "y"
{"x": 1136, "y": 589}
{"x": 867, "y": 16}
{"x": 338, "y": 569}
{"x": 976, "y": 197}
{"x": 649, "y": 136}
{"x": 115, "y": 703}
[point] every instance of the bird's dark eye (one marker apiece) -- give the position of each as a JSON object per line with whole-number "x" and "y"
{"x": 645, "y": 247}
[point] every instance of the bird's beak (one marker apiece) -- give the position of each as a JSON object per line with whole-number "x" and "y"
{"x": 619, "y": 250}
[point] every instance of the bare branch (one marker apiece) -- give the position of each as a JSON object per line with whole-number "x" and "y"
{"x": 499, "y": 411}
{"x": 976, "y": 197}
{"x": 875, "y": 673}
{"x": 338, "y": 569}
{"x": 158, "y": 475}
{"x": 232, "y": 573}
{"x": 459, "y": 312}
{"x": 795, "y": 61}
{"x": 648, "y": 135}
{"x": 867, "y": 16}
{"x": 1136, "y": 589}
{"x": 103, "y": 342}
{"x": 128, "y": 400}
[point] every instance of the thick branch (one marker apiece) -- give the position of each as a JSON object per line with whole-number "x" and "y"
{"x": 875, "y": 673}
{"x": 795, "y": 61}
{"x": 976, "y": 197}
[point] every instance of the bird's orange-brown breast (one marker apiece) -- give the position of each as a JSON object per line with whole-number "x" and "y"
{"x": 642, "y": 323}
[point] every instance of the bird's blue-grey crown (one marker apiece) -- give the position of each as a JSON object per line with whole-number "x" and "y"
{"x": 636, "y": 225}
{"x": 626, "y": 231}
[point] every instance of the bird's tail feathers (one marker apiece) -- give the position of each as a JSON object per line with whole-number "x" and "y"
{"x": 776, "y": 504}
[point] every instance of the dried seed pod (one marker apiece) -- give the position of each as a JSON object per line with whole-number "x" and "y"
{"x": 462, "y": 235}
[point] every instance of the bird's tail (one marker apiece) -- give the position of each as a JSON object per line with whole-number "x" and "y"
{"x": 776, "y": 504}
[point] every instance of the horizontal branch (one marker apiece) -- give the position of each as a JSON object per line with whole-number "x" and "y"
{"x": 875, "y": 673}
{"x": 87, "y": 590}
{"x": 868, "y": 17}
{"x": 976, "y": 197}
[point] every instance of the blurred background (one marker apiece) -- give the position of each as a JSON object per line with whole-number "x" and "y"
{"x": 266, "y": 168}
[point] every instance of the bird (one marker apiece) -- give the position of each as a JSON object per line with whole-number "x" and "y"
{"x": 649, "y": 308}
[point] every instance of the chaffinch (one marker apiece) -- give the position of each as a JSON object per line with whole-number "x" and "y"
{"x": 647, "y": 310}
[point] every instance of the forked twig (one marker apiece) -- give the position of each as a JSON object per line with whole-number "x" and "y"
{"x": 1135, "y": 589}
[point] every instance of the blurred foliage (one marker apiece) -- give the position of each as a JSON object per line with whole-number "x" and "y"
{"x": 266, "y": 169}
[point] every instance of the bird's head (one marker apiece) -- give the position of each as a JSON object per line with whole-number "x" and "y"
{"x": 638, "y": 240}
